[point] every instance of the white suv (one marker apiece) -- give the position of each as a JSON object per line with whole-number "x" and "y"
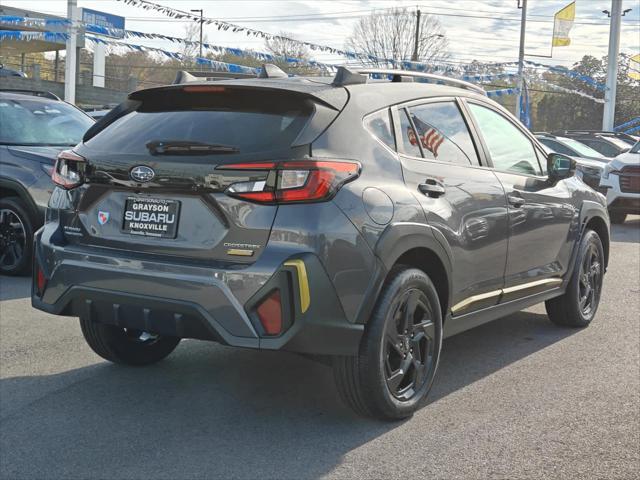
{"x": 621, "y": 178}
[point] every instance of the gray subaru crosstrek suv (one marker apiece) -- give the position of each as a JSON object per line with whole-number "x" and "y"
{"x": 356, "y": 219}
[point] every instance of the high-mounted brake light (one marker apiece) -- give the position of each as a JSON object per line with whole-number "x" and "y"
{"x": 298, "y": 181}
{"x": 202, "y": 89}
{"x": 69, "y": 170}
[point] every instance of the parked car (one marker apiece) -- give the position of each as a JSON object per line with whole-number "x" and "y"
{"x": 589, "y": 163}
{"x": 356, "y": 220}
{"x": 98, "y": 113}
{"x": 10, "y": 72}
{"x": 621, "y": 179}
{"x": 34, "y": 128}
{"x": 609, "y": 144}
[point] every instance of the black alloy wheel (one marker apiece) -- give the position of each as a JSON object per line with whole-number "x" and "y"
{"x": 590, "y": 281}
{"x": 578, "y": 305}
{"x": 16, "y": 237}
{"x": 391, "y": 375}
{"x": 409, "y": 345}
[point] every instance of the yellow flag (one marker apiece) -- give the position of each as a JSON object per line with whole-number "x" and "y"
{"x": 634, "y": 67}
{"x": 562, "y": 23}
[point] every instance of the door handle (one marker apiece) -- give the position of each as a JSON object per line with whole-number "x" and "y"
{"x": 515, "y": 201}
{"x": 432, "y": 187}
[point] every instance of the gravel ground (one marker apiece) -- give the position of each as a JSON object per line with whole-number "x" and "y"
{"x": 516, "y": 398}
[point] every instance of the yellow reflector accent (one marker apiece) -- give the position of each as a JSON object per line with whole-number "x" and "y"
{"x": 239, "y": 251}
{"x": 303, "y": 283}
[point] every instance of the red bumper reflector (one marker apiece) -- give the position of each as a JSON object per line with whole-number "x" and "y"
{"x": 41, "y": 281}
{"x": 270, "y": 314}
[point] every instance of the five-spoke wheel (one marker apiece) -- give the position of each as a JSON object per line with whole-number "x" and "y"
{"x": 16, "y": 237}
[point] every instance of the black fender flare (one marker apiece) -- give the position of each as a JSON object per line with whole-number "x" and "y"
{"x": 397, "y": 239}
{"x": 9, "y": 185}
{"x": 589, "y": 211}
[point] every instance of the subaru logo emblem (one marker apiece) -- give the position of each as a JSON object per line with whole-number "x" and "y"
{"x": 142, "y": 173}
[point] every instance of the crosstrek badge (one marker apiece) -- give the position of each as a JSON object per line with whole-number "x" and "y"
{"x": 103, "y": 217}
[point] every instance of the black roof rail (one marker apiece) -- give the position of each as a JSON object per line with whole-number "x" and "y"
{"x": 35, "y": 93}
{"x": 353, "y": 76}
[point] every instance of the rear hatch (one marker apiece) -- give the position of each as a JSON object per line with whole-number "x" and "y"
{"x": 151, "y": 183}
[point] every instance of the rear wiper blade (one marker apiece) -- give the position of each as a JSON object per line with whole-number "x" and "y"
{"x": 177, "y": 147}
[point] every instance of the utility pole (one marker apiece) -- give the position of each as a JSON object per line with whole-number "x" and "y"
{"x": 201, "y": 22}
{"x": 70, "y": 60}
{"x": 523, "y": 28}
{"x": 612, "y": 66}
{"x": 414, "y": 57}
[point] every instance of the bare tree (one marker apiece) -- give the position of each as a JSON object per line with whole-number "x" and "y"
{"x": 284, "y": 45}
{"x": 391, "y": 35}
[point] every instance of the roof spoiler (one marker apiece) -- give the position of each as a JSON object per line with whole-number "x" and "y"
{"x": 268, "y": 70}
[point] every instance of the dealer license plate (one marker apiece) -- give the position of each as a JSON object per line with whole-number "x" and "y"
{"x": 151, "y": 217}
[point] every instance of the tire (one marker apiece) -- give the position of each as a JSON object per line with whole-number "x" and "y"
{"x": 126, "y": 346}
{"x": 617, "y": 217}
{"x": 579, "y": 304}
{"x": 16, "y": 237}
{"x": 373, "y": 383}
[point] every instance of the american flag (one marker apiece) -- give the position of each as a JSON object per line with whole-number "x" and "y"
{"x": 431, "y": 140}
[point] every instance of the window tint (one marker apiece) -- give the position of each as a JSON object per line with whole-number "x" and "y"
{"x": 509, "y": 148}
{"x": 443, "y": 133}
{"x": 409, "y": 137}
{"x": 379, "y": 124}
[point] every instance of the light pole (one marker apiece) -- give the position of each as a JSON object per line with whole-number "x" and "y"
{"x": 612, "y": 65}
{"x": 199, "y": 10}
{"x": 523, "y": 29}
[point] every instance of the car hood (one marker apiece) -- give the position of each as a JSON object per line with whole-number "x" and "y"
{"x": 42, "y": 154}
{"x": 625, "y": 159}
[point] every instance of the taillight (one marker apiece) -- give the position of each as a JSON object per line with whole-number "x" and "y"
{"x": 69, "y": 170}
{"x": 41, "y": 281}
{"x": 296, "y": 181}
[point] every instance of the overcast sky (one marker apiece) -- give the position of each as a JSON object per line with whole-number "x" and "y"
{"x": 486, "y": 30}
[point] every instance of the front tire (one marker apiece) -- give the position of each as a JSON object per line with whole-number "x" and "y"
{"x": 126, "y": 346}
{"x": 394, "y": 369}
{"x": 617, "y": 217}
{"x": 578, "y": 306}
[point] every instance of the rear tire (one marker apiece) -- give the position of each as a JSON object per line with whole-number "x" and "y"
{"x": 398, "y": 357}
{"x": 16, "y": 237}
{"x": 617, "y": 217}
{"x": 126, "y": 346}
{"x": 578, "y": 306}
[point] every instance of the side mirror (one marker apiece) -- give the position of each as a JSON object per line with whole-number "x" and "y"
{"x": 560, "y": 166}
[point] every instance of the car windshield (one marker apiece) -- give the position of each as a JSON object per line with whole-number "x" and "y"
{"x": 581, "y": 148}
{"x": 36, "y": 122}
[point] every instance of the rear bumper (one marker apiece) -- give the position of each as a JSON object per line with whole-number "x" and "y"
{"x": 193, "y": 301}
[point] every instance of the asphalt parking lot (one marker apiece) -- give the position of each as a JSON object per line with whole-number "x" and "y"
{"x": 517, "y": 398}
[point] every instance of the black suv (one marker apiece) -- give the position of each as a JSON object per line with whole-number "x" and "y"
{"x": 348, "y": 218}
{"x": 34, "y": 128}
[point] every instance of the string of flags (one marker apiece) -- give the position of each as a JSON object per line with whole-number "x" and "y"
{"x": 573, "y": 92}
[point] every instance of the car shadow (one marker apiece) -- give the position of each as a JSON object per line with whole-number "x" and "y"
{"x": 212, "y": 411}
{"x": 12, "y": 288}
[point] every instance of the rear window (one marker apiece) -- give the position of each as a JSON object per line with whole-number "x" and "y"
{"x": 250, "y": 122}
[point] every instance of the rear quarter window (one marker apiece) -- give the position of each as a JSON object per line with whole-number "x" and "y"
{"x": 379, "y": 124}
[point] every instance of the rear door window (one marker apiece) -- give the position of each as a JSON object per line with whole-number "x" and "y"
{"x": 443, "y": 133}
